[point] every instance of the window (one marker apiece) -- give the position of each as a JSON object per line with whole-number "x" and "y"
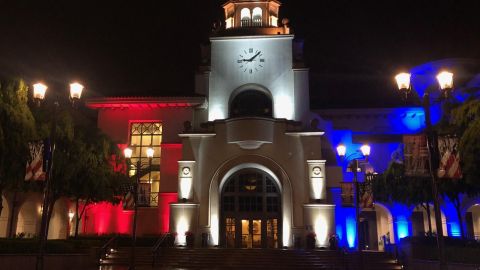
{"x": 142, "y": 137}
{"x": 251, "y": 103}
{"x": 257, "y": 17}
{"x": 245, "y": 17}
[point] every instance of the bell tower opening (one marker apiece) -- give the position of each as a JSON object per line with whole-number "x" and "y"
{"x": 250, "y": 103}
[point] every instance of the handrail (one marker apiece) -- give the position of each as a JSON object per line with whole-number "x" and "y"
{"x": 157, "y": 246}
{"x": 105, "y": 248}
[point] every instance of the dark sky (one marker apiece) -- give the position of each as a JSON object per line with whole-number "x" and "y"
{"x": 119, "y": 48}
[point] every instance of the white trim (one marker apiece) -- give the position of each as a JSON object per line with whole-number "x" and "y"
{"x": 305, "y": 133}
{"x": 196, "y": 135}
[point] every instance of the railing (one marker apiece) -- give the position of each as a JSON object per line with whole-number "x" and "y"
{"x": 256, "y": 22}
{"x": 164, "y": 241}
{"x": 147, "y": 199}
{"x": 107, "y": 248}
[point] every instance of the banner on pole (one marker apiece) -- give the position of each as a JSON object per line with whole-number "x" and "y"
{"x": 416, "y": 155}
{"x": 366, "y": 191}
{"x": 347, "y": 194}
{"x": 35, "y": 168}
{"x": 449, "y": 158}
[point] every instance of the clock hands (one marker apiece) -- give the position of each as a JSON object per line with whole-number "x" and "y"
{"x": 255, "y": 56}
{"x": 251, "y": 59}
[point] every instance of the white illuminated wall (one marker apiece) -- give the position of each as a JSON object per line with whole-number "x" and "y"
{"x": 276, "y": 76}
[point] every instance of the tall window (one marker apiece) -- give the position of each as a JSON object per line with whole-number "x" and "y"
{"x": 142, "y": 137}
{"x": 257, "y": 17}
{"x": 245, "y": 16}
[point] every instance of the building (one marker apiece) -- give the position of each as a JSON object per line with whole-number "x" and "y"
{"x": 244, "y": 162}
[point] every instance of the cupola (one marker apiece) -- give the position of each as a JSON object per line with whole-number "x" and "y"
{"x": 254, "y": 17}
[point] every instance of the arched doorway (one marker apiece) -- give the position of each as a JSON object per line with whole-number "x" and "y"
{"x": 472, "y": 220}
{"x": 376, "y": 228}
{"x": 4, "y": 217}
{"x": 28, "y": 223}
{"x": 250, "y": 211}
{"x": 251, "y": 103}
{"x": 420, "y": 220}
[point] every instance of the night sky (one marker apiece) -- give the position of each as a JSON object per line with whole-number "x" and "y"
{"x": 151, "y": 48}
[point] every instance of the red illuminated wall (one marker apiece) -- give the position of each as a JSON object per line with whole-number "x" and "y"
{"x": 105, "y": 218}
{"x": 164, "y": 200}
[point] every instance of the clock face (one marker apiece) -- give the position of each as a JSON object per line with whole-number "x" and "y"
{"x": 316, "y": 170}
{"x": 251, "y": 60}
{"x": 185, "y": 170}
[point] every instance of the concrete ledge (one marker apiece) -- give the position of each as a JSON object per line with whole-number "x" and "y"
{"x": 51, "y": 261}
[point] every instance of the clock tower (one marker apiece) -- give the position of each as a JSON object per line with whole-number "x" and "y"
{"x": 252, "y": 69}
{"x": 252, "y": 173}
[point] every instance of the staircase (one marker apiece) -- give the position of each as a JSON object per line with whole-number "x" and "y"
{"x": 222, "y": 258}
{"x": 372, "y": 260}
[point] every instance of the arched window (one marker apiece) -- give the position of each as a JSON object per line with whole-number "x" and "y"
{"x": 257, "y": 17}
{"x": 251, "y": 103}
{"x": 245, "y": 16}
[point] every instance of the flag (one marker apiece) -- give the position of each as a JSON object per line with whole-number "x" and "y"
{"x": 347, "y": 194}
{"x": 128, "y": 198}
{"x": 35, "y": 168}
{"x": 128, "y": 201}
{"x": 449, "y": 158}
{"x": 416, "y": 155}
{"x": 366, "y": 191}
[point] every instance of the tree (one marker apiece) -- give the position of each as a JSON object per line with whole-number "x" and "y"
{"x": 81, "y": 169}
{"x": 463, "y": 120}
{"x": 17, "y": 128}
{"x": 395, "y": 186}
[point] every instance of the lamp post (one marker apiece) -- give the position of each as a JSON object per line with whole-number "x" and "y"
{"x": 128, "y": 155}
{"x": 39, "y": 91}
{"x": 445, "y": 81}
{"x": 365, "y": 152}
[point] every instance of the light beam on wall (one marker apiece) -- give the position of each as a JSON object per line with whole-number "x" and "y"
{"x": 351, "y": 231}
{"x": 402, "y": 227}
{"x": 321, "y": 230}
{"x": 182, "y": 228}
{"x": 214, "y": 229}
{"x": 286, "y": 231}
{"x": 185, "y": 187}
{"x": 283, "y": 107}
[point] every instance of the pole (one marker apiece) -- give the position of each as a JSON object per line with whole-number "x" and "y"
{"x": 135, "y": 209}
{"x": 46, "y": 192}
{"x": 357, "y": 212}
{"x": 433, "y": 157}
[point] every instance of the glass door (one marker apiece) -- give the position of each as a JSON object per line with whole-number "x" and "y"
{"x": 272, "y": 233}
{"x": 230, "y": 232}
{"x": 251, "y": 233}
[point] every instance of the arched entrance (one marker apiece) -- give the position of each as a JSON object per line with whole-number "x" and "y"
{"x": 472, "y": 221}
{"x": 250, "y": 211}
{"x": 376, "y": 228}
{"x": 4, "y": 217}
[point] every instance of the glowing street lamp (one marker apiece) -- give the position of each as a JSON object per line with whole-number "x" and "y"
{"x": 127, "y": 152}
{"x": 39, "y": 91}
{"x": 355, "y": 168}
{"x": 76, "y": 90}
{"x": 445, "y": 83}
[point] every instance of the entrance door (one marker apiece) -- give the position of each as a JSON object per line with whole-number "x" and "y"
{"x": 251, "y": 233}
{"x": 251, "y": 211}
